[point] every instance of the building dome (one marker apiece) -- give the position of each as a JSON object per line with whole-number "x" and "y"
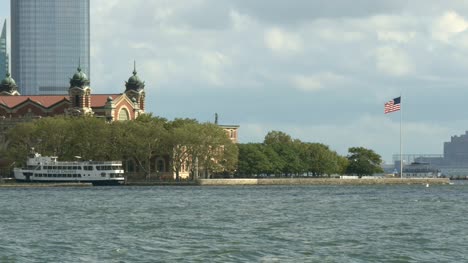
{"x": 79, "y": 79}
{"x": 8, "y": 84}
{"x": 134, "y": 82}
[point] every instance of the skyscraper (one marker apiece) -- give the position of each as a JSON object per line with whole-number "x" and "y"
{"x": 3, "y": 52}
{"x": 48, "y": 38}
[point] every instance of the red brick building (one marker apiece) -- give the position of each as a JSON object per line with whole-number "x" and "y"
{"x": 80, "y": 101}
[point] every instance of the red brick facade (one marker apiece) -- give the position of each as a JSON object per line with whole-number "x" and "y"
{"x": 80, "y": 101}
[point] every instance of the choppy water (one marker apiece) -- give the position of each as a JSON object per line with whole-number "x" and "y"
{"x": 235, "y": 224}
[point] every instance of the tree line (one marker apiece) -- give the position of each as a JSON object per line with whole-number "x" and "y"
{"x": 203, "y": 147}
{"x": 280, "y": 155}
{"x": 185, "y": 142}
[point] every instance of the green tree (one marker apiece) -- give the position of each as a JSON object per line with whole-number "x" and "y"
{"x": 21, "y": 139}
{"x": 288, "y": 150}
{"x": 142, "y": 140}
{"x": 363, "y": 161}
{"x": 89, "y": 138}
{"x": 320, "y": 159}
{"x": 180, "y": 140}
{"x": 210, "y": 148}
{"x": 276, "y": 163}
{"x": 253, "y": 160}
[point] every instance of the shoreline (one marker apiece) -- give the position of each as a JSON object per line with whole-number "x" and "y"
{"x": 252, "y": 182}
{"x": 325, "y": 181}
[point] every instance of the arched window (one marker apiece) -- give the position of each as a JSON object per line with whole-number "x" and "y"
{"x": 123, "y": 115}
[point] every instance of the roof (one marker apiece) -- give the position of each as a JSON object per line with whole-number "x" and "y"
{"x": 45, "y": 101}
{"x": 100, "y": 100}
{"x": 228, "y": 126}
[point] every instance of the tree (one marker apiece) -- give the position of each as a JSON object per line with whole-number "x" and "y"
{"x": 276, "y": 163}
{"x": 288, "y": 150}
{"x": 21, "y": 138}
{"x": 179, "y": 140}
{"x": 320, "y": 159}
{"x": 363, "y": 161}
{"x": 89, "y": 138}
{"x": 210, "y": 147}
{"x": 253, "y": 160}
{"x": 142, "y": 140}
{"x": 277, "y": 137}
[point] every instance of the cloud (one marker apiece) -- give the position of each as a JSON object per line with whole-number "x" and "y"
{"x": 396, "y": 36}
{"x": 285, "y": 12}
{"x": 393, "y": 61}
{"x": 316, "y": 82}
{"x": 282, "y": 42}
{"x": 448, "y": 25}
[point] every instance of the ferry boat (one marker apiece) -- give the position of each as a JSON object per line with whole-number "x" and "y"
{"x": 47, "y": 169}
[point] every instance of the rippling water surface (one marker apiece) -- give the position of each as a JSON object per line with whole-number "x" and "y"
{"x": 235, "y": 224}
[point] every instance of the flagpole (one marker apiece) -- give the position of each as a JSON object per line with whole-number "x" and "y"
{"x": 401, "y": 148}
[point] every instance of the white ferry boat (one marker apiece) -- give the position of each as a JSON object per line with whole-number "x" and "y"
{"x": 47, "y": 169}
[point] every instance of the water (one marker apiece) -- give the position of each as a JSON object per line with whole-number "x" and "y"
{"x": 235, "y": 224}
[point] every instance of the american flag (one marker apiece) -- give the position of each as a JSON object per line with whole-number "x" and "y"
{"x": 393, "y": 105}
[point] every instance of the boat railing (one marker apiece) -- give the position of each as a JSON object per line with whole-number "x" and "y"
{"x": 103, "y": 162}
{"x": 61, "y": 163}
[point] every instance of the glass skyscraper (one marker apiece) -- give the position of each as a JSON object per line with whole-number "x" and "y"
{"x": 48, "y": 39}
{"x": 3, "y": 52}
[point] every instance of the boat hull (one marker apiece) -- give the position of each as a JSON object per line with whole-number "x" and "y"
{"x": 95, "y": 183}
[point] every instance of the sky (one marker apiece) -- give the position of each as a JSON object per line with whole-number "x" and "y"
{"x": 319, "y": 71}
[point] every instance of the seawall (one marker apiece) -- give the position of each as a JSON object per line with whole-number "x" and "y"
{"x": 325, "y": 181}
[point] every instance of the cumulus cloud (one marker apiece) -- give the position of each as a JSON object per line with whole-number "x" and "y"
{"x": 282, "y": 42}
{"x": 448, "y": 25}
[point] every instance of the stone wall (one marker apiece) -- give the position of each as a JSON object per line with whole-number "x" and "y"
{"x": 325, "y": 181}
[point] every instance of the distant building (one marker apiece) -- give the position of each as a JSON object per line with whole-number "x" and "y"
{"x": 420, "y": 170}
{"x": 79, "y": 101}
{"x": 456, "y": 151}
{"x": 3, "y": 51}
{"x": 48, "y": 38}
{"x": 453, "y": 163}
{"x": 231, "y": 131}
